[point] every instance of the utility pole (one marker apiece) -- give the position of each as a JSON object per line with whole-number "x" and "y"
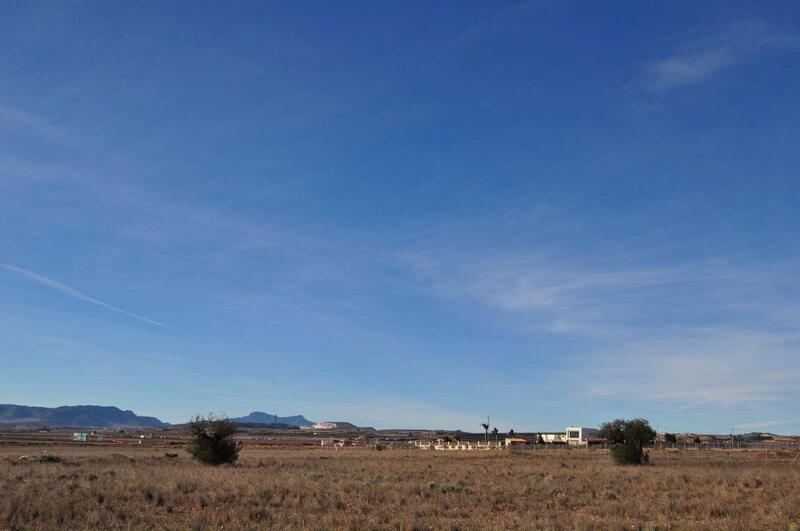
{"x": 731, "y": 452}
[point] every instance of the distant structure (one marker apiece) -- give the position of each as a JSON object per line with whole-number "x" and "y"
{"x": 332, "y": 426}
{"x": 442, "y": 444}
{"x": 515, "y": 442}
{"x": 579, "y": 436}
{"x": 554, "y": 437}
{"x": 330, "y": 442}
{"x": 320, "y": 426}
{"x": 572, "y": 436}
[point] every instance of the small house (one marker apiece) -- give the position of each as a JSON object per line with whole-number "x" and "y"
{"x": 579, "y": 436}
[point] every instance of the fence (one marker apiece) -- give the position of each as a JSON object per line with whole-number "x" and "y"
{"x": 788, "y": 452}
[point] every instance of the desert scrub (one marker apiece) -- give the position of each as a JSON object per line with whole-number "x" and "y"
{"x": 361, "y": 489}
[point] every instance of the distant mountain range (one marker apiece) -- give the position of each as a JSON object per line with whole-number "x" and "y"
{"x": 76, "y": 417}
{"x": 112, "y": 417}
{"x": 259, "y": 417}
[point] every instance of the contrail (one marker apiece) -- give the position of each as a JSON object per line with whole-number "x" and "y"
{"x": 72, "y": 292}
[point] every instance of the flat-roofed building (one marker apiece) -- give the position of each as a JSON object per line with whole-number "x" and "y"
{"x": 580, "y": 436}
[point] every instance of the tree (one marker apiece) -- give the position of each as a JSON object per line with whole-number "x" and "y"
{"x": 485, "y": 426}
{"x": 511, "y": 433}
{"x": 614, "y": 431}
{"x": 212, "y": 441}
{"x": 670, "y": 438}
{"x": 495, "y": 432}
{"x": 627, "y": 439}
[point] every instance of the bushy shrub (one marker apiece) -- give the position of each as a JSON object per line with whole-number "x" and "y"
{"x": 627, "y": 439}
{"x": 629, "y": 454}
{"x": 212, "y": 441}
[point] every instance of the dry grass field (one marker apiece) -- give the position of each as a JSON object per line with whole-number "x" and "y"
{"x": 131, "y": 488}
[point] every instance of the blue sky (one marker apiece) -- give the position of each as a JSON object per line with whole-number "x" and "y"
{"x": 411, "y": 214}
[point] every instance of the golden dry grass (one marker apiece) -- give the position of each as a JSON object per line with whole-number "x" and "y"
{"x": 363, "y": 489}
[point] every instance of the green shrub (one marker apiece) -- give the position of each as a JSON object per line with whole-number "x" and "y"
{"x": 629, "y": 454}
{"x": 627, "y": 439}
{"x": 212, "y": 441}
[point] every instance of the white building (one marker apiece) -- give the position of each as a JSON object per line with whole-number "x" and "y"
{"x": 553, "y": 438}
{"x": 320, "y": 426}
{"x": 579, "y": 436}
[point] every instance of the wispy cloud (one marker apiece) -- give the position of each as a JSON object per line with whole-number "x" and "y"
{"x": 23, "y": 121}
{"x": 685, "y": 334}
{"x": 72, "y": 292}
{"x": 702, "y": 59}
{"x": 695, "y": 367}
{"x": 26, "y": 167}
{"x": 564, "y": 294}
